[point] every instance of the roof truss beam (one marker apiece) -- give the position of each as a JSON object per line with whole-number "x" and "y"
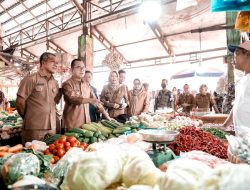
{"x": 27, "y": 54}
{"x": 160, "y": 36}
{"x": 55, "y": 47}
{"x": 105, "y": 42}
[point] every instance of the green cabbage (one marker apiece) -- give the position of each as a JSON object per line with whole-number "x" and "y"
{"x": 19, "y": 165}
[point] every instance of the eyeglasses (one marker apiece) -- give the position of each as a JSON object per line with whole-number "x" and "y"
{"x": 79, "y": 68}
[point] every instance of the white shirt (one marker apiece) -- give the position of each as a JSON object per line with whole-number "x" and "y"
{"x": 241, "y": 109}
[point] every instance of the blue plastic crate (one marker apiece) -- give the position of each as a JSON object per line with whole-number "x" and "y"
{"x": 230, "y": 5}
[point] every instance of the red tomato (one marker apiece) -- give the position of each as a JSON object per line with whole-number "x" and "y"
{"x": 56, "y": 158}
{"x": 60, "y": 145}
{"x": 73, "y": 144}
{"x": 82, "y": 147}
{"x": 85, "y": 144}
{"x": 77, "y": 142}
{"x": 46, "y": 152}
{"x": 54, "y": 151}
{"x": 60, "y": 152}
{"x": 67, "y": 148}
{"x": 71, "y": 139}
{"x": 52, "y": 147}
{"x": 52, "y": 161}
{"x": 62, "y": 139}
{"x": 66, "y": 144}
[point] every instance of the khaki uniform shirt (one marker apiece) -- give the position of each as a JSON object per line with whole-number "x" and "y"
{"x": 140, "y": 101}
{"x": 76, "y": 113}
{"x": 109, "y": 97}
{"x": 185, "y": 98}
{"x": 203, "y": 101}
{"x": 163, "y": 99}
{"x": 36, "y": 101}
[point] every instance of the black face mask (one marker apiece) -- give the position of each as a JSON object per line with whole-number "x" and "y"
{"x": 163, "y": 85}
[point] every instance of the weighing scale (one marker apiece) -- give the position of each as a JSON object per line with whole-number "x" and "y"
{"x": 160, "y": 153}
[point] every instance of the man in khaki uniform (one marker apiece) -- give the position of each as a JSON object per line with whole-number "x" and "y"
{"x": 164, "y": 99}
{"x": 36, "y": 101}
{"x": 77, "y": 95}
{"x": 185, "y": 100}
{"x": 203, "y": 100}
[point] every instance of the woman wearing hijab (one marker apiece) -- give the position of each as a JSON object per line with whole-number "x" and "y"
{"x": 138, "y": 99}
{"x": 114, "y": 96}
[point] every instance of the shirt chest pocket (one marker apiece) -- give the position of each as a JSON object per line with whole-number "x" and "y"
{"x": 39, "y": 91}
{"x": 76, "y": 92}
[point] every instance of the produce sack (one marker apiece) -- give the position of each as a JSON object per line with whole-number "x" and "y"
{"x": 19, "y": 165}
{"x": 243, "y": 21}
{"x": 230, "y": 5}
{"x": 227, "y": 177}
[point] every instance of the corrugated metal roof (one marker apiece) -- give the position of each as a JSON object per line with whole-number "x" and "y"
{"x": 7, "y": 4}
{"x": 16, "y": 10}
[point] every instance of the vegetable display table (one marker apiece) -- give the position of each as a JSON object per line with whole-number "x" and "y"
{"x": 214, "y": 118}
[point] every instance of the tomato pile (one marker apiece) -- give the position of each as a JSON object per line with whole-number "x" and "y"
{"x": 191, "y": 138}
{"x": 61, "y": 146}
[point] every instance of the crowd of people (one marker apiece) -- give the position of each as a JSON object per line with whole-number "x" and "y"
{"x": 39, "y": 93}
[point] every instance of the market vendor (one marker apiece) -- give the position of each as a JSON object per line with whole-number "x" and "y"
{"x": 164, "y": 99}
{"x": 240, "y": 114}
{"x": 77, "y": 95}
{"x": 185, "y": 100}
{"x": 114, "y": 96}
{"x": 138, "y": 99}
{"x": 36, "y": 101}
{"x": 203, "y": 100}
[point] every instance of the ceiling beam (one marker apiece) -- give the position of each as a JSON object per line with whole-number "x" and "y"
{"x": 56, "y": 47}
{"x": 47, "y": 3}
{"x": 28, "y": 54}
{"x": 77, "y": 5}
{"x": 160, "y": 36}
{"x": 105, "y": 42}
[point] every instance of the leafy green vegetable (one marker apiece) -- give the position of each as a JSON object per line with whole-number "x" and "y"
{"x": 216, "y": 132}
{"x": 19, "y": 165}
{"x": 44, "y": 162}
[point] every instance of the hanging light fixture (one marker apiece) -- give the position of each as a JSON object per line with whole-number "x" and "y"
{"x": 150, "y": 10}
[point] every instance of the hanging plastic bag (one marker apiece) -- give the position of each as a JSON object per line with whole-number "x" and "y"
{"x": 230, "y": 5}
{"x": 240, "y": 145}
{"x": 243, "y": 21}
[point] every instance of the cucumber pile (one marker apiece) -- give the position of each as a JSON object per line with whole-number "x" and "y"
{"x": 96, "y": 132}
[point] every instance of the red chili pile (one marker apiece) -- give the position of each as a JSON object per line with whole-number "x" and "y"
{"x": 192, "y": 138}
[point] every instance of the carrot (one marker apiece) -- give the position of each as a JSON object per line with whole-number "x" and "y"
{"x": 2, "y": 154}
{"x": 16, "y": 148}
{"x": 4, "y": 148}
